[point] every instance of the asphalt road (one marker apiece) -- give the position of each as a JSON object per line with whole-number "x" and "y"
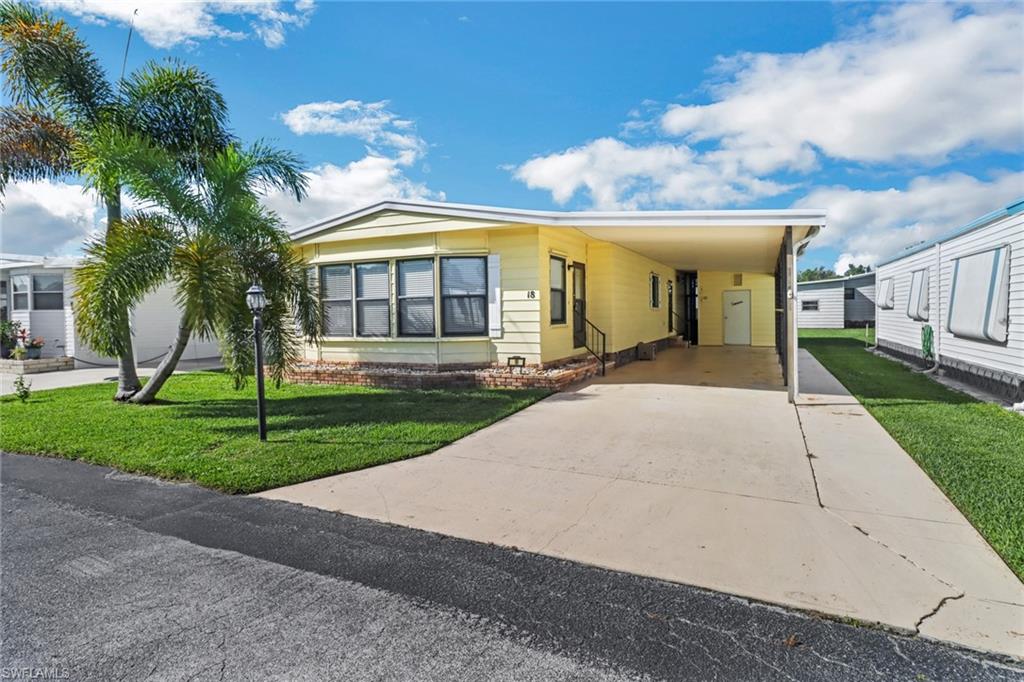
{"x": 109, "y": 576}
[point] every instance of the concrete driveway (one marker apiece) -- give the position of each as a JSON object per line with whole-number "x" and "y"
{"x": 696, "y": 469}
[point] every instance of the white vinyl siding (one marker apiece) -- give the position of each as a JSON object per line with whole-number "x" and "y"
{"x": 895, "y": 326}
{"x": 861, "y": 308}
{"x": 416, "y": 297}
{"x": 894, "y": 323}
{"x": 828, "y": 313}
{"x": 464, "y": 296}
{"x": 336, "y": 295}
{"x": 373, "y": 299}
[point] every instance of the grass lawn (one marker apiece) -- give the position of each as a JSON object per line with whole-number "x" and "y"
{"x": 974, "y": 451}
{"x": 203, "y": 430}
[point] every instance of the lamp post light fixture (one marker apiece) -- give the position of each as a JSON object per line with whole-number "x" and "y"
{"x": 257, "y": 301}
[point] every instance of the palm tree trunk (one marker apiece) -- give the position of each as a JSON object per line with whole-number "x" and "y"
{"x": 128, "y": 383}
{"x": 166, "y": 367}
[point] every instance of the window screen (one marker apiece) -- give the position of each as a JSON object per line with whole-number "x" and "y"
{"x": 336, "y": 297}
{"x": 19, "y": 287}
{"x": 557, "y": 290}
{"x": 416, "y": 297}
{"x": 655, "y": 291}
{"x": 47, "y": 292}
{"x": 979, "y": 296}
{"x": 373, "y": 300}
{"x": 808, "y": 305}
{"x": 464, "y": 296}
{"x": 886, "y": 294}
{"x": 917, "y": 302}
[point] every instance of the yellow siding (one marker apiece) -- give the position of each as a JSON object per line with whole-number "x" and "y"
{"x": 633, "y": 318}
{"x": 762, "y": 306}
{"x": 517, "y": 247}
{"x": 572, "y": 245}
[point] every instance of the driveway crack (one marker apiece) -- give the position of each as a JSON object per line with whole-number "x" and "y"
{"x": 938, "y": 607}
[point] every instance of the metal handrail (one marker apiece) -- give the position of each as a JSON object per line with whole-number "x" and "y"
{"x": 590, "y": 342}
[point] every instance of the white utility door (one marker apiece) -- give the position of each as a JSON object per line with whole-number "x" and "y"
{"x": 736, "y": 317}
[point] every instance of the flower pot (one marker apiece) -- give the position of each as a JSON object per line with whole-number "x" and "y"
{"x": 33, "y": 353}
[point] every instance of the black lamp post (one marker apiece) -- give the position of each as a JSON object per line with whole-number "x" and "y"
{"x": 257, "y": 301}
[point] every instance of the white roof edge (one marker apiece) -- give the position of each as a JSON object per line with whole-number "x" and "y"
{"x": 744, "y": 217}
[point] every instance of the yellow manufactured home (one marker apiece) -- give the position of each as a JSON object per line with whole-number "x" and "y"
{"x": 452, "y": 285}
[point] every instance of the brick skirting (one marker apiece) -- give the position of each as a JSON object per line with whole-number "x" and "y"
{"x": 555, "y": 376}
{"x": 1003, "y": 384}
{"x": 36, "y": 366}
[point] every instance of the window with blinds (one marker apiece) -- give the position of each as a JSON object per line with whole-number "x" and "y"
{"x": 336, "y": 298}
{"x": 416, "y": 297}
{"x": 557, "y": 290}
{"x": 373, "y": 300}
{"x": 464, "y": 296}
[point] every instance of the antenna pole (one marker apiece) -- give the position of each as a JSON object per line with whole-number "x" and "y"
{"x": 128, "y": 43}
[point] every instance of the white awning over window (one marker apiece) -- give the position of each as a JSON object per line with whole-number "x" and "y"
{"x": 917, "y": 302}
{"x": 886, "y": 294}
{"x": 979, "y": 296}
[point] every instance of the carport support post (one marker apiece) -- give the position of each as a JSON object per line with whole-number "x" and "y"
{"x": 790, "y": 317}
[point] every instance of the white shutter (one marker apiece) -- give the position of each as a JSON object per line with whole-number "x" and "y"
{"x": 979, "y": 296}
{"x": 494, "y": 296}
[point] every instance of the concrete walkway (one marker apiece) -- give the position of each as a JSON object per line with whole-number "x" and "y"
{"x": 694, "y": 469}
{"x": 93, "y": 375}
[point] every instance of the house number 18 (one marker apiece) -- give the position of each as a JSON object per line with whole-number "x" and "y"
{"x": 531, "y": 294}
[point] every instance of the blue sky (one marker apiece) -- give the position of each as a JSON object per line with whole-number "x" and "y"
{"x": 902, "y": 120}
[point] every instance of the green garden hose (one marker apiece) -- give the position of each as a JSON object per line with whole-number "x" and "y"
{"x": 927, "y": 337}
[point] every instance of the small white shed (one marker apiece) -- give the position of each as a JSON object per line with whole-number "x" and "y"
{"x": 836, "y": 303}
{"x": 37, "y": 291}
{"x": 962, "y": 294}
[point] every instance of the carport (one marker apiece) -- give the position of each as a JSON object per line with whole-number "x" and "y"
{"x": 765, "y": 242}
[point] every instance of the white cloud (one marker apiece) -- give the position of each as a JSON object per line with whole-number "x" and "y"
{"x": 168, "y": 23}
{"x": 336, "y": 189}
{"x": 918, "y": 82}
{"x": 47, "y": 218}
{"x": 370, "y": 122}
{"x": 866, "y": 225}
{"x": 617, "y": 175}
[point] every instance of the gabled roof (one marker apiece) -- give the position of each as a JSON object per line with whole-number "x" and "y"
{"x": 580, "y": 219}
{"x": 987, "y": 219}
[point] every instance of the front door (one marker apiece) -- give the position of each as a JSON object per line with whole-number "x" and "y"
{"x": 579, "y": 305}
{"x": 736, "y": 317}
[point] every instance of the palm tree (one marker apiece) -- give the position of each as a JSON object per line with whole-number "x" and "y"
{"x": 62, "y": 99}
{"x": 211, "y": 239}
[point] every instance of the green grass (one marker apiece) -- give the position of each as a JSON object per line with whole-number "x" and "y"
{"x": 203, "y": 430}
{"x": 974, "y": 451}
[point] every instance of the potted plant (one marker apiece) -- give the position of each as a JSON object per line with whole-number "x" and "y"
{"x": 9, "y": 330}
{"x": 34, "y": 347}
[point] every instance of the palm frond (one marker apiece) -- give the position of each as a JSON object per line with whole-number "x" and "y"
{"x": 44, "y": 62}
{"x": 116, "y": 273}
{"x": 33, "y": 145}
{"x": 180, "y": 108}
{"x": 204, "y": 274}
{"x": 271, "y": 168}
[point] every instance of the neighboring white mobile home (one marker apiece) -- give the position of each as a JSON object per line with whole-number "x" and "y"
{"x": 958, "y": 301}
{"x": 836, "y": 303}
{"x": 37, "y": 291}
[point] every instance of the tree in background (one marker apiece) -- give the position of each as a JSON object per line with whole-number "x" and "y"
{"x": 62, "y": 101}
{"x": 210, "y": 238}
{"x": 852, "y": 270}
{"x": 814, "y": 274}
